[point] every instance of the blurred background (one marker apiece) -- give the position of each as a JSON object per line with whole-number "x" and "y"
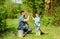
{"x": 49, "y": 13}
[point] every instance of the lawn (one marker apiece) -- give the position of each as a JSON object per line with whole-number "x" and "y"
{"x": 53, "y": 31}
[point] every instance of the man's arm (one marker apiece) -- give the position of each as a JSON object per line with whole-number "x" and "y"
{"x": 25, "y": 20}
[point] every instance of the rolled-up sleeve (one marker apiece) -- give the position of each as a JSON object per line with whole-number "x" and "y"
{"x": 21, "y": 18}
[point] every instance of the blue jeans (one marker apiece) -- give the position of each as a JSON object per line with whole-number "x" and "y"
{"x": 37, "y": 28}
{"x": 25, "y": 29}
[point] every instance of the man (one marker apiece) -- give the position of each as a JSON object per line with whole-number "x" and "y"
{"x": 22, "y": 23}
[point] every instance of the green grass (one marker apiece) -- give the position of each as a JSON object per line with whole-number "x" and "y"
{"x": 53, "y": 31}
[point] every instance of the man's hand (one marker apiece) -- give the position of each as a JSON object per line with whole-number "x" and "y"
{"x": 28, "y": 16}
{"x": 26, "y": 19}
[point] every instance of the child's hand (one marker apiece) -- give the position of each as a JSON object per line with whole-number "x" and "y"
{"x": 32, "y": 17}
{"x": 28, "y": 16}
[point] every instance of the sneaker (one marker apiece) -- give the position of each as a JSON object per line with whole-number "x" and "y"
{"x": 38, "y": 33}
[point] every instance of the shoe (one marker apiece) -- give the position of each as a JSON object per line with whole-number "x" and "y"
{"x": 38, "y": 33}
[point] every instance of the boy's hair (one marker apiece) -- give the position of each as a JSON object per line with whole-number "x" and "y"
{"x": 21, "y": 12}
{"x": 37, "y": 13}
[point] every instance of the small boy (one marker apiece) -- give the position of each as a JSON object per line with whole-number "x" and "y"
{"x": 37, "y": 23}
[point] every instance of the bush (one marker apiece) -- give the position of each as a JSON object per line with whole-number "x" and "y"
{"x": 56, "y": 12}
{"x": 45, "y": 20}
{"x": 2, "y": 20}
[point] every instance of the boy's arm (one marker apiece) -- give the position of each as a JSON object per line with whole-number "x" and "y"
{"x": 32, "y": 17}
{"x": 23, "y": 19}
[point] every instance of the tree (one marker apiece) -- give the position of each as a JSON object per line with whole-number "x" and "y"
{"x": 34, "y": 5}
{"x": 56, "y": 11}
{"x": 12, "y": 9}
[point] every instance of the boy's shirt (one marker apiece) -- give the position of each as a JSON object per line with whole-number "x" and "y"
{"x": 37, "y": 21}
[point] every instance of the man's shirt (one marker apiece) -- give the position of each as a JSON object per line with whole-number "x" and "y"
{"x": 21, "y": 22}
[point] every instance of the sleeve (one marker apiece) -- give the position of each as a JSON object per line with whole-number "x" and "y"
{"x": 21, "y": 19}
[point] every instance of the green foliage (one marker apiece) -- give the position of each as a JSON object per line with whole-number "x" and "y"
{"x": 2, "y": 19}
{"x": 47, "y": 6}
{"x": 43, "y": 7}
{"x": 7, "y": 10}
{"x": 2, "y": 2}
{"x": 12, "y": 9}
{"x": 56, "y": 11}
{"x": 34, "y": 5}
{"x": 56, "y": 3}
{"x": 52, "y": 32}
{"x": 45, "y": 20}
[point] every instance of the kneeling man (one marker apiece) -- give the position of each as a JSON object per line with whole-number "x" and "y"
{"x": 22, "y": 29}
